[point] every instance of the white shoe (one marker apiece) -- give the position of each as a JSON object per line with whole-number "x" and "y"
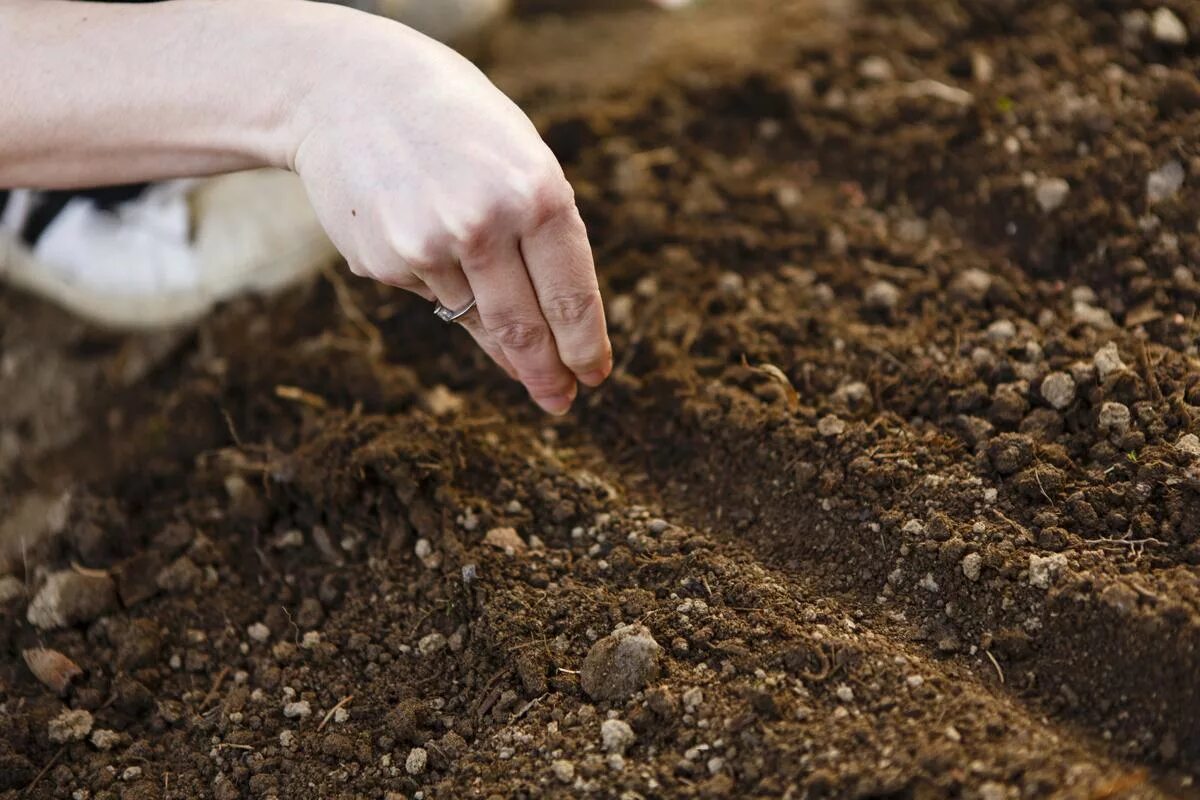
{"x": 168, "y": 253}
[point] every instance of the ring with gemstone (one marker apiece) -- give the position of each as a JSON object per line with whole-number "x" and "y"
{"x": 449, "y": 314}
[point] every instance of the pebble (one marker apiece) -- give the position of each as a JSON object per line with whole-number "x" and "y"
{"x": 1088, "y": 314}
{"x": 658, "y": 526}
{"x": 1108, "y": 361}
{"x": 876, "y": 68}
{"x": 297, "y": 710}
{"x": 131, "y": 773}
{"x": 1189, "y": 443}
{"x": 1114, "y": 418}
{"x": 1058, "y": 389}
{"x": 692, "y": 698}
{"x": 1001, "y": 331}
{"x": 10, "y": 588}
{"x": 972, "y": 285}
{"x": 972, "y": 564}
{"x": 845, "y": 693}
{"x": 431, "y": 643}
{"x": 1051, "y": 193}
{"x": 70, "y": 726}
{"x": 104, "y": 739}
{"x": 287, "y": 739}
{"x": 259, "y": 632}
{"x": 1165, "y": 182}
{"x": 831, "y": 425}
{"x": 616, "y": 735}
{"x": 882, "y": 296}
{"x": 1044, "y": 570}
{"x": 423, "y": 549}
{"x": 563, "y": 770}
{"x": 69, "y": 598}
{"x": 506, "y": 539}
{"x": 1167, "y": 28}
{"x": 180, "y": 576}
{"x": 416, "y": 761}
{"x": 620, "y": 664}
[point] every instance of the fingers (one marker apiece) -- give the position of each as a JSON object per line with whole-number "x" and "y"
{"x": 448, "y": 285}
{"x": 563, "y": 275}
{"x": 510, "y": 314}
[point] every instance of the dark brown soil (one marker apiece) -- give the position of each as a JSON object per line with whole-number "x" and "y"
{"x": 828, "y": 477}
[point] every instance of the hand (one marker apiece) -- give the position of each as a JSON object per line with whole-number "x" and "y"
{"x": 428, "y": 178}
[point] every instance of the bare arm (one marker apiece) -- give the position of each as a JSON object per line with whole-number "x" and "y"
{"x": 424, "y": 175}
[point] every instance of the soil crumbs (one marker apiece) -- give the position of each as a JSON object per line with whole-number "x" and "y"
{"x": 894, "y": 492}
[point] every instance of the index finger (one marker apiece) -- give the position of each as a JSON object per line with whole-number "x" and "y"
{"x": 559, "y": 260}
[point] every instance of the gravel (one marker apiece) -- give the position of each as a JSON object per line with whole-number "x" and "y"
{"x": 972, "y": 564}
{"x": 1114, "y": 418}
{"x": 1051, "y": 193}
{"x": 1189, "y": 443}
{"x": 1058, "y": 389}
{"x": 1167, "y": 28}
{"x": 617, "y": 736}
{"x": 882, "y": 296}
{"x": 621, "y": 663}
{"x": 70, "y": 598}
{"x": 1165, "y": 182}
{"x": 1108, "y": 361}
{"x": 1043, "y": 570}
{"x": 259, "y": 632}
{"x": 298, "y": 709}
{"x": 70, "y": 726}
{"x": 563, "y": 770}
{"x": 417, "y": 760}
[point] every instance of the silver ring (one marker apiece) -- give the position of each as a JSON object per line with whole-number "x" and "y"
{"x": 450, "y": 315}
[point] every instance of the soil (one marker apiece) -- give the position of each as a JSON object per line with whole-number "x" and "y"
{"x": 898, "y": 465}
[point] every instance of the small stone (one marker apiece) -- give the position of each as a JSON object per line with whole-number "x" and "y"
{"x": 131, "y": 773}
{"x": 845, "y": 693}
{"x": 563, "y": 770}
{"x": 506, "y": 539}
{"x": 423, "y": 549}
{"x": 882, "y": 296}
{"x": 658, "y": 526}
{"x": 442, "y": 402}
{"x": 259, "y": 632}
{"x": 616, "y": 735}
{"x": 1189, "y": 443}
{"x": 1001, "y": 331}
{"x": 1044, "y": 570}
{"x": 70, "y": 598}
{"x": 692, "y": 698}
{"x": 1087, "y": 314}
{"x": 104, "y": 739}
{"x": 416, "y": 761}
{"x": 431, "y": 643}
{"x": 1114, "y": 418}
{"x": 287, "y": 739}
{"x": 1165, "y": 182}
{"x": 180, "y": 576}
{"x": 992, "y": 791}
{"x": 831, "y": 425}
{"x": 972, "y": 285}
{"x": 620, "y": 664}
{"x": 70, "y": 726}
{"x": 1051, "y": 193}
{"x": 1058, "y": 389}
{"x": 1167, "y": 28}
{"x": 972, "y": 564}
{"x": 10, "y": 588}
{"x": 1107, "y": 361}
{"x": 876, "y": 68}
{"x": 298, "y": 709}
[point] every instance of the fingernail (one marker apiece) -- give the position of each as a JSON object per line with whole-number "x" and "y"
{"x": 596, "y": 377}
{"x": 560, "y": 404}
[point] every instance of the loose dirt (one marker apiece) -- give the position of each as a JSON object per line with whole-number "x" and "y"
{"x": 894, "y": 492}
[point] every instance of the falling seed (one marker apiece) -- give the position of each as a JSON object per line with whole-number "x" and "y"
{"x": 52, "y": 668}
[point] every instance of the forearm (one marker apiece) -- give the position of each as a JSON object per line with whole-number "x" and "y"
{"x": 112, "y": 93}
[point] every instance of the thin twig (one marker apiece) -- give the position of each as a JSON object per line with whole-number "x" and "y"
{"x": 329, "y": 715}
{"x": 996, "y": 664}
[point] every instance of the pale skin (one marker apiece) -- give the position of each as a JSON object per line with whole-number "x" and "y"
{"x": 424, "y": 175}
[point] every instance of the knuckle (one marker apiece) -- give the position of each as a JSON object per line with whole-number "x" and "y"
{"x": 595, "y": 358}
{"x": 551, "y": 200}
{"x": 519, "y": 335}
{"x": 570, "y": 308}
